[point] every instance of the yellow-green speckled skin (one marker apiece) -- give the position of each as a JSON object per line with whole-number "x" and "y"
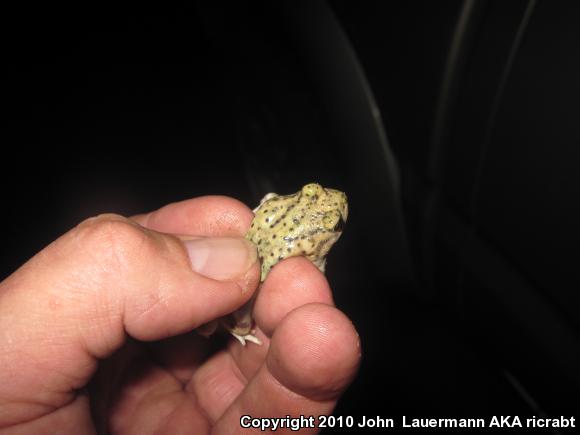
{"x": 306, "y": 223}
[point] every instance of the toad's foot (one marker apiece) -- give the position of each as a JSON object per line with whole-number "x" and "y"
{"x": 247, "y": 337}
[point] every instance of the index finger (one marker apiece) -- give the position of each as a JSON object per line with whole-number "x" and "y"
{"x": 209, "y": 216}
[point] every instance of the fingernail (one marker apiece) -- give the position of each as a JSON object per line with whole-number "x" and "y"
{"x": 221, "y": 258}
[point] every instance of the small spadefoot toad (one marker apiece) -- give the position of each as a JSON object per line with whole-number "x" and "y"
{"x": 306, "y": 223}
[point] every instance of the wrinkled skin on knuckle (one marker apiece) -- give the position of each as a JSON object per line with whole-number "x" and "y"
{"x": 123, "y": 255}
{"x": 142, "y": 266}
{"x": 114, "y": 242}
{"x": 115, "y": 258}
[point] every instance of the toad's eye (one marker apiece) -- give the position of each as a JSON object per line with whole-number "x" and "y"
{"x": 339, "y": 225}
{"x": 333, "y": 221}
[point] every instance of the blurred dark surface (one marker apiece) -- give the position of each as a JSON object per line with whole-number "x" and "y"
{"x": 452, "y": 126}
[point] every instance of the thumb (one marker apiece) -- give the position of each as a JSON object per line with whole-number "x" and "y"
{"x": 75, "y": 302}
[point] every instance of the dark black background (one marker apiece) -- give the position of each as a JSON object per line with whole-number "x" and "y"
{"x": 459, "y": 264}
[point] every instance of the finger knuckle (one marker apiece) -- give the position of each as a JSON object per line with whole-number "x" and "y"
{"x": 114, "y": 239}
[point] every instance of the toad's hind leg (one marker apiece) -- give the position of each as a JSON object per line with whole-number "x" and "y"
{"x": 241, "y": 324}
{"x": 247, "y": 337}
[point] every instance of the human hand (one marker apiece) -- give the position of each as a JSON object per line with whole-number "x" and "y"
{"x": 95, "y": 330}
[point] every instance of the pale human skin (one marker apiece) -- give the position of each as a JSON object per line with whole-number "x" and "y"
{"x": 95, "y": 330}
